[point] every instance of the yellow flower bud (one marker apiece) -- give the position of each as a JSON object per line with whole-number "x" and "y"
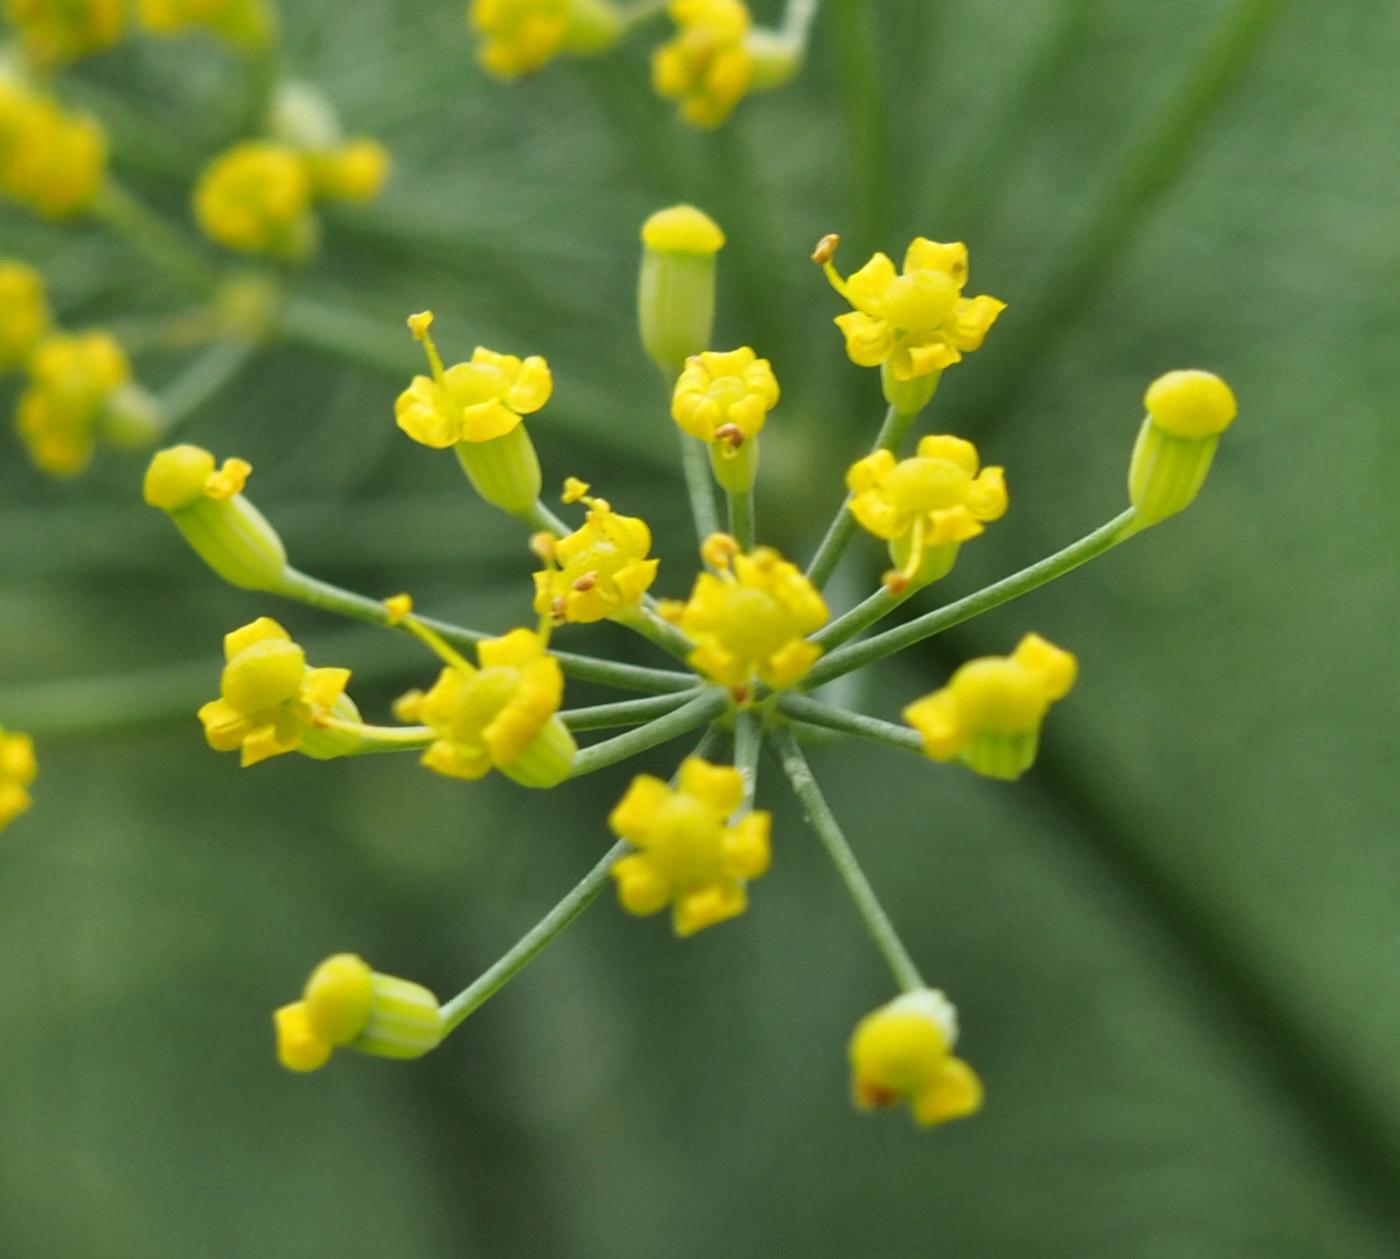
{"x": 476, "y": 407}
{"x": 355, "y": 171}
{"x": 1186, "y": 413}
{"x": 207, "y": 505}
{"x": 750, "y": 620}
{"x": 689, "y": 855}
{"x": 18, "y": 769}
{"x": 502, "y": 715}
{"x": 903, "y": 1052}
{"x": 73, "y": 382}
{"x": 269, "y": 700}
{"x": 708, "y": 66}
{"x": 56, "y": 32}
{"x": 676, "y": 289}
{"x": 723, "y": 399}
{"x": 52, "y": 162}
{"x": 256, "y": 198}
{"x": 990, "y": 713}
{"x": 926, "y": 506}
{"x": 24, "y": 312}
{"x": 348, "y": 1005}
{"x": 599, "y": 570}
{"x": 914, "y": 323}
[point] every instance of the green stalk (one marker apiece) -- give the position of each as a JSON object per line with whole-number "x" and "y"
{"x": 627, "y": 712}
{"x": 695, "y": 462}
{"x": 741, "y": 517}
{"x": 540, "y": 518}
{"x": 857, "y": 655}
{"x": 211, "y": 370}
{"x": 862, "y": 85}
{"x": 814, "y": 712}
{"x": 748, "y": 744}
{"x": 704, "y": 707}
{"x": 661, "y": 633}
{"x": 151, "y": 235}
{"x": 321, "y": 594}
{"x": 860, "y": 617}
{"x": 819, "y": 815}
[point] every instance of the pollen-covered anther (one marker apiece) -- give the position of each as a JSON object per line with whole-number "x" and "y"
{"x": 826, "y": 249}
{"x": 730, "y": 435}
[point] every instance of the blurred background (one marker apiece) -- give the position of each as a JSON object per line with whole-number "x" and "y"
{"x": 1174, "y": 944}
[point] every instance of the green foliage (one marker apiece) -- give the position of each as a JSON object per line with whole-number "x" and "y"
{"x": 1173, "y": 945}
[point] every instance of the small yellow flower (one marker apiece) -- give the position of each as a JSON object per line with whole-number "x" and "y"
{"x": 355, "y": 171}
{"x": 18, "y": 769}
{"x": 55, "y": 32}
{"x": 256, "y": 198}
{"x": 926, "y": 506}
{"x": 24, "y": 312}
{"x": 474, "y": 401}
{"x": 903, "y": 1051}
{"x": 917, "y": 321}
{"x": 724, "y": 397}
{"x": 73, "y": 379}
{"x": 269, "y": 700}
{"x": 676, "y": 288}
{"x": 51, "y": 162}
{"x": 502, "y": 715}
{"x": 990, "y": 713}
{"x": 600, "y": 569}
{"x": 518, "y": 37}
{"x": 682, "y": 229}
{"x": 348, "y": 1005}
{"x": 708, "y": 66}
{"x": 247, "y": 23}
{"x": 750, "y": 619}
{"x": 690, "y": 856}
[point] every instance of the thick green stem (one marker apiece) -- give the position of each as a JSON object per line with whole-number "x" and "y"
{"x": 833, "y": 546}
{"x": 877, "y": 922}
{"x": 321, "y": 594}
{"x": 628, "y": 712}
{"x": 704, "y": 707}
{"x": 533, "y": 942}
{"x": 814, "y": 712}
{"x": 857, "y": 655}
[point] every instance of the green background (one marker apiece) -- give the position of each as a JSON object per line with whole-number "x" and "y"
{"x": 1174, "y": 944}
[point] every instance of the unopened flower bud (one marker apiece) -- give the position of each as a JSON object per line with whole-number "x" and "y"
{"x": 207, "y": 506}
{"x": 676, "y": 292}
{"x": 1186, "y": 413}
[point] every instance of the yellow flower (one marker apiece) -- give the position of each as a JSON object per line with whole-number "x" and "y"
{"x": 474, "y": 401}
{"x": 502, "y": 715}
{"x": 24, "y": 312}
{"x": 55, "y": 32}
{"x": 18, "y": 769}
{"x": 1186, "y": 413}
{"x": 600, "y": 569}
{"x": 347, "y": 1005}
{"x": 248, "y": 23}
{"x": 917, "y": 321}
{"x": 750, "y": 618}
{"x": 724, "y": 396}
{"x": 51, "y": 162}
{"x": 990, "y": 713}
{"x": 518, "y": 36}
{"x": 926, "y": 506}
{"x": 269, "y": 700}
{"x": 689, "y": 855}
{"x": 73, "y": 379}
{"x": 256, "y": 197}
{"x": 707, "y": 67}
{"x": 355, "y": 171}
{"x": 903, "y": 1051}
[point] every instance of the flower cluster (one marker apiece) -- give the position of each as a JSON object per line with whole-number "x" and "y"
{"x": 79, "y": 385}
{"x": 52, "y": 161}
{"x": 54, "y": 33}
{"x": 750, "y": 648}
{"x": 716, "y": 54}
